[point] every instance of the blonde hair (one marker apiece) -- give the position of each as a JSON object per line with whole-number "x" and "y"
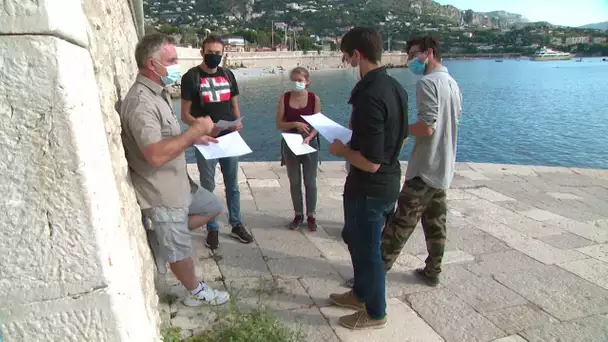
{"x": 301, "y": 70}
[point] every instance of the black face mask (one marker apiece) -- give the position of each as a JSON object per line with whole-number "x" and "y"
{"x": 212, "y": 60}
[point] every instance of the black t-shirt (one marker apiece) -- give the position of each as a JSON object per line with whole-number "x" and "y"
{"x": 379, "y": 124}
{"x": 210, "y": 94}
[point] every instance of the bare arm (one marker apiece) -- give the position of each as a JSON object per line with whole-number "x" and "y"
{"x": 314, "y": 132}
{"x": 235, "y": 107}
{"x": 186, "y": 113}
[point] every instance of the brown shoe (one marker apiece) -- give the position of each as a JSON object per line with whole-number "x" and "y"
{"x": 347, "y": 300}
{"x": 361, "y": 320}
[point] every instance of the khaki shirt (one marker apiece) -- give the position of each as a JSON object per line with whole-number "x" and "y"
{"x": 147, "y": 117}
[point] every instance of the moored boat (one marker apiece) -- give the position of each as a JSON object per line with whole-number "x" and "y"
{"x": 546, "y": 54}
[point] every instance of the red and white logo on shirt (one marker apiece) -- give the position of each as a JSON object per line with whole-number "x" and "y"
{"x": 215, "y": 89}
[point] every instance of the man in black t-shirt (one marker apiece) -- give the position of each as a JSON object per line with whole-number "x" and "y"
{"x": 209, "y": 90}
{"x": 379, "y": 125}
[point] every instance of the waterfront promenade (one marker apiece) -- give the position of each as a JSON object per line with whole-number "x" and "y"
{"x": 526, "y": 260}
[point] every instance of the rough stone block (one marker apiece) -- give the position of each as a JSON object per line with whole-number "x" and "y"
{"x": 559, "y": 292}
{"x": 45, "y": 17}
{"x": 589, "y": 329}
{"x": 518, "y": 318}
{"x": 593, "y": 270}
{"x": 403, "y": 325}
{"x": 260, "y": 171}
{"x": 452, "y": 318}
{"x": 87, "y": 318}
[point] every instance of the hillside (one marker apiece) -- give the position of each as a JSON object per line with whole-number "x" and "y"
{"x": 322, "y": 17}
{"x": 597, "y": 26}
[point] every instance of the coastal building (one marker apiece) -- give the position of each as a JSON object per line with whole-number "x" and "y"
{"x": 234, "y": 44}
{"x": 577, "y": 40}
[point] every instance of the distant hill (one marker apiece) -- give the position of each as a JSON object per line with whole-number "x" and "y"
{"x": 597, "y": 26}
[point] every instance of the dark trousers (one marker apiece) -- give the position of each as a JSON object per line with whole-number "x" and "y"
{"x": 364, "y": 219}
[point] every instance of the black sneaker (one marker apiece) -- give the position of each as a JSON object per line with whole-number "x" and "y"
{"x": 240, "y": 233}
{"x": 429, "y": 280}
{"x": 212, "y": 242}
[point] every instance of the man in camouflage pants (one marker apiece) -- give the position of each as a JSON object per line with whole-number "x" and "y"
{"x": 431, "y": 165}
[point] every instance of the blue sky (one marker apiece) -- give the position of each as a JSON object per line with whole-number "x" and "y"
{"x": 559, "y": 12}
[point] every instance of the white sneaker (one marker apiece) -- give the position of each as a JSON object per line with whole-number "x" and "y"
{"x": 206, "y": 296}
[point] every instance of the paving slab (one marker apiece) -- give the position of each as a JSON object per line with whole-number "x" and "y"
{"x": 526, "y": 259}
{"x": 590, "y": 329}
{"x": 480, "y": 292}
{"x": 566, "y": 241}
{"x": 560, "y": 293}
{"x": 518, "y": 318}
{"x": 403, "y": 325}
{"x": 599, "y": 252}
{"x": 310, "y": 322}
{"x": 594, "y": 270}
{"x": 452, "y": 318}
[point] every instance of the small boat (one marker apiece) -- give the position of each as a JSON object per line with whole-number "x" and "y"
{"x": 499, "y": 61}
{"x": 580, "y": 59}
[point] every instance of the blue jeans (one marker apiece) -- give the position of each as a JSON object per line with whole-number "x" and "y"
{"x": 230, "y": 172}
{"x": 364, "y": 219}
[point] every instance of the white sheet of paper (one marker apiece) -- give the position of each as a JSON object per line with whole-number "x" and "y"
{"x": 223, "y": 124}
{"x": 328, "y": 128}
{"x": 229, "y": 145}
{"x": 294, "y": 141}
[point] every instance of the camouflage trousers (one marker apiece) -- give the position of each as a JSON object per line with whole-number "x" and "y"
{"x": 417, "y": 201}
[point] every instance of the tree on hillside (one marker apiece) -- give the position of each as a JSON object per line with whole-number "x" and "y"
{"x": 263, "y": 39}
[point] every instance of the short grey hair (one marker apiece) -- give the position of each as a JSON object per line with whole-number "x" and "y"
{"x": 149, "y": 45}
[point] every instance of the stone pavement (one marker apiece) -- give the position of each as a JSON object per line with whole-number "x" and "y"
{"x": 526, "y": 260}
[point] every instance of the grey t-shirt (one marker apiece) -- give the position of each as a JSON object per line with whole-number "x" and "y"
{"x": 439, "y": 103}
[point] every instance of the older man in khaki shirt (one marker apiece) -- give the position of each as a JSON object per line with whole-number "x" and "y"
{"x": 155, "y": 150}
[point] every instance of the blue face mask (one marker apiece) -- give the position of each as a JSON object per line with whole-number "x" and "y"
{"x": 416, "y": 66}
{"x": 298, "y": 86}
{"x": 173, "y": 74}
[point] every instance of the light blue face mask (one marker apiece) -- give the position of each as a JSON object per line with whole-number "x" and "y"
{"x": 416, "y": 66}
{"x": 298, "y": 86}
{"x": 173, "y": 74}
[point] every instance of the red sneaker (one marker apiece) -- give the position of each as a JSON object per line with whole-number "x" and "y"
{"x": 295, "y": 224}
{"x": 312, "y": 224}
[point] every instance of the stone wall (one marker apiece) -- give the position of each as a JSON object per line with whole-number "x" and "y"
{"x": 75, "y": 265}
{"x": 286, "y": 59}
